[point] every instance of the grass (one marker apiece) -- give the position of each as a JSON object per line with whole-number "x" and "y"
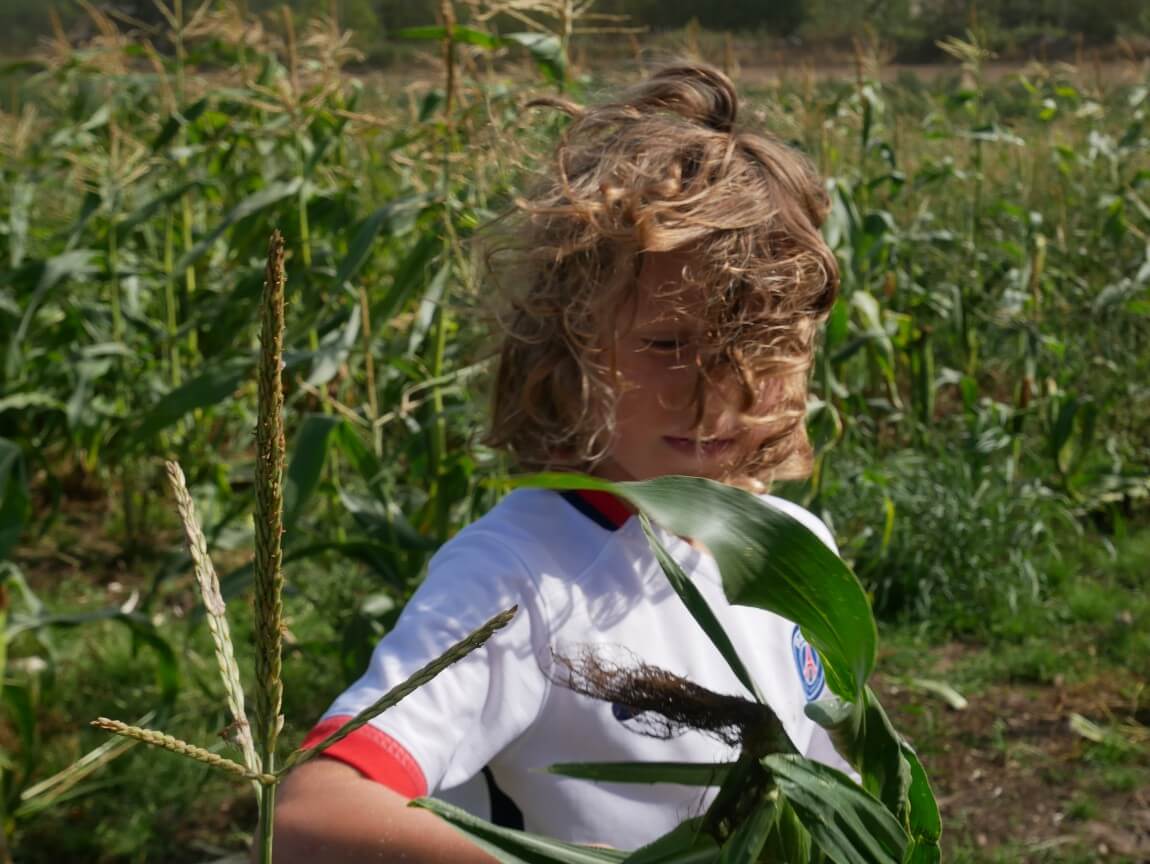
{"x": 1077, "y": 650}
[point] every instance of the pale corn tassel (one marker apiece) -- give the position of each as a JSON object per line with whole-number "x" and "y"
{"x": 209, "y": 584}
{"x": 175, "y": 745}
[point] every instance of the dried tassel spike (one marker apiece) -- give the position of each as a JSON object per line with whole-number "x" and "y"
{"x": 183, "y": 748}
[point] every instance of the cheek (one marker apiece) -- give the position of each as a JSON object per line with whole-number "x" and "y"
{"x": 653, "y": 383}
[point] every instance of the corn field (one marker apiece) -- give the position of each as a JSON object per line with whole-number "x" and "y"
{"x": 981, "y": 399}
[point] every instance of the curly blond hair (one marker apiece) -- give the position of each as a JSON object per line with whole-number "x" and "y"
{"x": 662, "y": 168}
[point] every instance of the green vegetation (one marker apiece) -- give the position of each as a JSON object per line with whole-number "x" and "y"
{"x": 982, "y": 415}
{"x": 909, "y": 28}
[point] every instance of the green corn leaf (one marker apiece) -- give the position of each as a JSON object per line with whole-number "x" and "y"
{"x": 466, "y": 35}
{"x": 1060, "y": 432}
{"x": 680, "y": 773}
{"x": 178, "y": 120}
{"x": 384, "y": 220}
{"x": 846, "y": 823}
{"x": 333, "y": 351}
{"x": 547, "y": 51}
{"x": 36, "y": 399}
{"x": 305, "y": 465}
{"x": 790, "y": 841}
{"x": 13, "y": 495}
{"x": 687, "y": 843}
{"x": 516, "y": 847}
{"x": 429, "y": 304}
{"x": 142, "y": 630}
{"x": 697, "y": 605}
{"x": 866, "y": 738}
{"x": 219, "y": 381}
{"x": 747, "y": 841}
{"x": 382, "y": 519}
{"x": 45, "y": 275}
{"x": 379, "y": 557}
{"x": 51, "y": 791}
{"x": 409, "y": 277}
{"x": 923, "y": 817}
{"x": 213, "y": 385}
{"x": 270, "y": 195}
{"x": 21, "y": 194}
{"x": 919, "y": 852}
{"x": 154, "y": 205}
{"x": 766, "y": 559}
{"x": 361, "y": 457}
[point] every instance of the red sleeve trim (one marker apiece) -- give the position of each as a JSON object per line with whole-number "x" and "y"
{"x": 376, "y": 755}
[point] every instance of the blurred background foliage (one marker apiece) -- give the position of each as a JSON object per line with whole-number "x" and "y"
{"x": 909, "y": 28}
{"x": 981, "y": 408}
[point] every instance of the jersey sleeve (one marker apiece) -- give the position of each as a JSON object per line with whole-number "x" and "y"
{"x": 447, "y": 730}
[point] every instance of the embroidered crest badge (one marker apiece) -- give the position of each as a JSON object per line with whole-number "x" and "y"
{"x": 808, "y": 664}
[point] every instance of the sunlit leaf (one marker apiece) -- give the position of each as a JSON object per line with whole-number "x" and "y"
{"x": 766, "y": 559}
{"x": 680, "y": 773}
{"x": 846, "y": 823}
{"x": 516, "y": 847}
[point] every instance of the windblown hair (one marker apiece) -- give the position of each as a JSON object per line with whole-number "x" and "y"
{"x": 661, "y": 169}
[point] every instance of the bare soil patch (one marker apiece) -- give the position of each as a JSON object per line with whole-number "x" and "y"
{"x": 1014, "y": 779}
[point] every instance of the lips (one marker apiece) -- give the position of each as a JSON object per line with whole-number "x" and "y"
{"x": 699, "y": 446}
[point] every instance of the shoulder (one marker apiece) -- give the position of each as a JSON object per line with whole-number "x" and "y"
{"x": 534, "y": 528}
{"x": 800, "y": 514}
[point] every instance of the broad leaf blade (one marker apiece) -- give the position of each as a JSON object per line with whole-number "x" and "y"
{"x": 846, "y": 823}
{"x": 516, "y": 847}
{"x": 923, "y": 816}
{"x": 379, "y": 221}
{"x": 547, "y": 51}
{"x": 685, "y": 844}
{"x": 767, "y": 559}
{"x": 748, "y": 840}
{"x": 864, "y": 735}
{"x": 13, "y": 495}
{"x": 271, "y": 194}
{"x": 697, "y": 605}
{"x": 308, "y": 455}
{"x": 213, "y": 385}
{"x": 681, "y": 773}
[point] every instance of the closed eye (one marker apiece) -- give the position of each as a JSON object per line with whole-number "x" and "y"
{"x": 667, "y": 345}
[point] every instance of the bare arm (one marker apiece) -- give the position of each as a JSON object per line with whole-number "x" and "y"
{"x": 327, "y": 811}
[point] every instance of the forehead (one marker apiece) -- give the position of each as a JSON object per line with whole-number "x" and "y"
{"x": 665, "y": 290}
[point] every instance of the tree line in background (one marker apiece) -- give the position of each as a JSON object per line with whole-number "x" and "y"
{"x": 1016, "y": 28}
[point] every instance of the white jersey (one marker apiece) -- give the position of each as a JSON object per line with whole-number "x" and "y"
{"x": 582, "y": 576}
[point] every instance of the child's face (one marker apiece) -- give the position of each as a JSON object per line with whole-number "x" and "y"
{"x": 657, "y": 359}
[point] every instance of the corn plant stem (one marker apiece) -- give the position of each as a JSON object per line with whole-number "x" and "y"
{"x": 114, "y": 277}
{"x": 189, "y": 272}
{"x": 439, "y": 434}
{"x": 369, "y": 374}
{"x": 439, "y": 424}
{"x": 171, "y": 306}
{"x": 269, "y": 531}
{"x": 186, "y": 215}
{"x": 5, "y": 854}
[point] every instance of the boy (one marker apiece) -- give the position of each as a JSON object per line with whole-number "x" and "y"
{"x": 670, "y": 277}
